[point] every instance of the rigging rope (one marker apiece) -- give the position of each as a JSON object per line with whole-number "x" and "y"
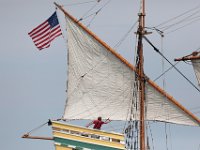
{"x": 183, "y": 26}
{"x": 157, "y": 50}
{"x": 74, "y": 4}
{"x": 197, "y": 107}
{"x": 188, "y": 62}
{"x": 161, "y": 24}
{"x": 197, "y": 112}
{"x": 164, "y": 87}
{"x": 184, "y": 19}
{"x": 89, "y": 10}
{"x": 97, "y": 12}
{"x": 132, "y": 129}
{"x": 172, "y": 66}
{"x": 31, "y": 131}
{"x": 161, "y": 33}
{"x": 166, "y": 136}
{"x": 148, "y": 125}
{"x": 125, "y": 36}
{"x": 188, "y": 19}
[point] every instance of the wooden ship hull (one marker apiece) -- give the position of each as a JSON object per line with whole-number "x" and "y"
{"x": 70, "y": 137}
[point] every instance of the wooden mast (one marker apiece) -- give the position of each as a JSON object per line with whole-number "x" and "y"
{"x": 141, "y": 75}
{"x": 139, "y": 68}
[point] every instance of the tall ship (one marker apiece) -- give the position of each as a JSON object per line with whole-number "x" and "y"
{"x": 102, "y": 83}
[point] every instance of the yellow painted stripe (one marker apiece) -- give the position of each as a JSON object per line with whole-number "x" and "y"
{"x": 88, "y": 140}
{"x": 59, "y": 147}
{"x": 87, "y": 130}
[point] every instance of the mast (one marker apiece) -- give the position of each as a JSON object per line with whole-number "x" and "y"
{"x": 140, "y": 68}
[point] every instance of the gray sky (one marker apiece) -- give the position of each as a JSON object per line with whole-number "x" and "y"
{"x": 33, "y": 83}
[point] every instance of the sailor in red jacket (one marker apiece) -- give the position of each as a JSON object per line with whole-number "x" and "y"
{"x": 98, "y": 123}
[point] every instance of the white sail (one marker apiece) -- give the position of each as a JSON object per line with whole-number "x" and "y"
{"x": 100, "y": 83}
{"x": 161, "y": 107}
{"x": 196, "y": 66}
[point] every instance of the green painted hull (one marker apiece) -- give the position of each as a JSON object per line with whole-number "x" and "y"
{"x": 81, "y": 145}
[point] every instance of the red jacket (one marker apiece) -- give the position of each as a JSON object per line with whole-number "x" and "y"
{"x": 98, "y": 124}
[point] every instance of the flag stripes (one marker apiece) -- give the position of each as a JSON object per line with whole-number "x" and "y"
{"x": 46, "y": 32}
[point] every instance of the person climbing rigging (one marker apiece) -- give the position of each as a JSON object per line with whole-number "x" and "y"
{"x": 98, "y": 123}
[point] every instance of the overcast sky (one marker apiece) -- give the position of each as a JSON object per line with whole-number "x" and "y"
{"x": 33, "y": 83}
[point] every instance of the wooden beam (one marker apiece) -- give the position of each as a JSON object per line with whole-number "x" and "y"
{"x": 187, "y": 58}
{"x": 192, "y": 56}
{"x": 27, "y": 136}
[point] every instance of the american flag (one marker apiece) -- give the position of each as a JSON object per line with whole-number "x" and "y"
{"x": 46, "y": 32}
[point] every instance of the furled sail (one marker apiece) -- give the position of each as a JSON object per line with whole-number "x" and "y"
{"x": 195, "y": 59}
{"x": 100, "y": 83}
{"x": 196, "y": 66}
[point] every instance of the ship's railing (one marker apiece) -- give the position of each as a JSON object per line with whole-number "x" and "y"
{"x": 88, "y": 135}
